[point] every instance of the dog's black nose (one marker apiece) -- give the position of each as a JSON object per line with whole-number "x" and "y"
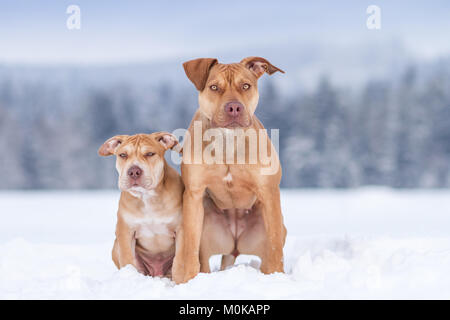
{"x": 134, "y": 172}
{"x": 234, "y": 108}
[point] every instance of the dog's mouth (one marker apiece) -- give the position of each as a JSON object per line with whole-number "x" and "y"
{"x": 138, "y": 191}
{"x": 134, "y": 187}
{"x": 131, "y": 184}
{"x": 144, "y": 183}
{"x": 232, "y": 124}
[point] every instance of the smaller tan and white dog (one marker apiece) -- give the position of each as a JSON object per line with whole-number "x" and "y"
{"x": 150, "y": 206}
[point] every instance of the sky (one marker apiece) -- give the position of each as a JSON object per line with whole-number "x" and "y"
{"x": 35, "y": 32}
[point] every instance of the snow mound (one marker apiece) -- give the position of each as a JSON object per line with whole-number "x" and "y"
{"x": 316, "y": 268}
{"x": 338, "y": 246}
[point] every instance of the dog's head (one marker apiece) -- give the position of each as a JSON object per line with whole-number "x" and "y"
{"x": 140, "y": 159}
{"x": 228, "y": 93}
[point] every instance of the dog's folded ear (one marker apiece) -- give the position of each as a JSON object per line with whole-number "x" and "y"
{"x": 110, "y": 145}
{"x": 198, "y": 70}
{"x": 260, "y": 65}
{"x": 168, "y": 141}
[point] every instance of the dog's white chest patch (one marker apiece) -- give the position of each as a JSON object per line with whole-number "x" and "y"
{"x": 228, "y": 177}
{"x": 151, "y": 225}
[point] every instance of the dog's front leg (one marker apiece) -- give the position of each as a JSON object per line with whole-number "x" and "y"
{"x": 272, "y": 260}
{"x": 187, "y": 263}
{"x": 127, "y": 243}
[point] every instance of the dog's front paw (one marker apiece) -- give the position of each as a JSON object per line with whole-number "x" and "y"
{"x": 191, "y": 272}
{"x": 184, "y": 273}
{"x": 177, "y": 272}
{"x": 272, "y": 266}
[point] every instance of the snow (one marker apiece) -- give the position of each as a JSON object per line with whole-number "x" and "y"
{"x": 364, "y": 243}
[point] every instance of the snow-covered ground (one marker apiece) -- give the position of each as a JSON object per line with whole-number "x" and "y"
{"x": 365, "y": 243}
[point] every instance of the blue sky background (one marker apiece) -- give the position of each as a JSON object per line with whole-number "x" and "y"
{"x": 140, "y": 31}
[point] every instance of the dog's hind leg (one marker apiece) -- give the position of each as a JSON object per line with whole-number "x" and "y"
{"x": 227, "y": 260}
{"x": 216, "y": 236}
{"x": 204, "y": 262}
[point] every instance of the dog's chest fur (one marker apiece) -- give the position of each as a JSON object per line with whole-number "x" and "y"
{"x": 155, "y": 234}
{"x": 149, "y": 222}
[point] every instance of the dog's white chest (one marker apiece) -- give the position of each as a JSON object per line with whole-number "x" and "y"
{"x": 150, "y": 225}
{"x": 228, "y": 178}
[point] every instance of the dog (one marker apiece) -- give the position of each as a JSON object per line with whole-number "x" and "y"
{"x": 228, "y": 209}
{"x": 150, "y": 206}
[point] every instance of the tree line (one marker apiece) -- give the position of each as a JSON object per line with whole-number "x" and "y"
{"x": 389, "y": 132}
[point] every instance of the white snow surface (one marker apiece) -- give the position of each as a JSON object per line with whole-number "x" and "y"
{"x": 369, "y": 243}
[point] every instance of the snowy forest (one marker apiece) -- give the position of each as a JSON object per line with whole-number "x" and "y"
{"x": 391, "y": 132}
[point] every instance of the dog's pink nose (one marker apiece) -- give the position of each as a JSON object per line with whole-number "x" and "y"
{"x": 134, "y": 172}
{"x": 234, "y": 108}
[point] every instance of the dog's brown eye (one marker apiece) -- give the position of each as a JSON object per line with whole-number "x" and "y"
{"x": 123, "y": 155}
{"x": 246, "y": 86}
{"x": 214, "y": 87}
{"x": 149, "y": 154}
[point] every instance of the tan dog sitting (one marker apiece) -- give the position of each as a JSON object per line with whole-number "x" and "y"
{"x": 228, "y": 208}
{"x": 150, "y": 205}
